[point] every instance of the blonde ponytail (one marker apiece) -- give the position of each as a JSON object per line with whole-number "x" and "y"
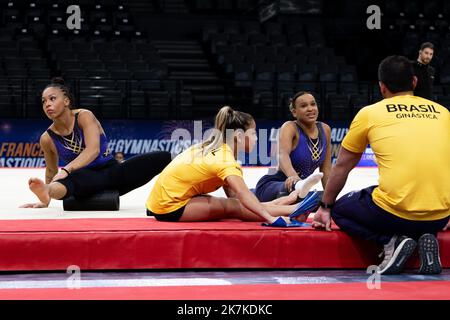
{"x": 226, "y": 118}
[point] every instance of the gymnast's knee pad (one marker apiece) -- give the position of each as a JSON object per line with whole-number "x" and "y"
{"x": 108, "y": 200}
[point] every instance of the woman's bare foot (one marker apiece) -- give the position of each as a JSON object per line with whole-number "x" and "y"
{"x": 292, "y": 197}
{"x": 286, "y": 200}
{"x": 34, "y": 205}
{"x": 40, "y": 189}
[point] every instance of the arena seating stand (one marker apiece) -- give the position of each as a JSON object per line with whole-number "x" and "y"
{"x": 121, "y": 65}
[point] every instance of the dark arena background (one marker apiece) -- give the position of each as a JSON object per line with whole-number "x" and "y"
{"x": 148, "y": 67}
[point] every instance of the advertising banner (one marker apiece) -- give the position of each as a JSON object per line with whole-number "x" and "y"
{"x": 19, "y": 140}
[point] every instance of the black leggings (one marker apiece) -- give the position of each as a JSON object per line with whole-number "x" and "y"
{"x": 124, "y": 177}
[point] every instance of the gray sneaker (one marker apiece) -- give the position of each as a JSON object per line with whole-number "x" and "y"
{"x": 396, "y": 253}
{"x": 430, "y": 262}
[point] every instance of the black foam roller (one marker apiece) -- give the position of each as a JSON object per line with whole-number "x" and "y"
{"x": 108, "y": 200}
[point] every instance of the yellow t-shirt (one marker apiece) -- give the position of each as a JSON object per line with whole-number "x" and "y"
{"x": 191, "y": 174}
{"x": 410, "y": 137}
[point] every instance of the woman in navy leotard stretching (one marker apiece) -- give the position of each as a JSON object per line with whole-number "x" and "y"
{"x": 304, "y": 146}
{"x": 77, "y": 138}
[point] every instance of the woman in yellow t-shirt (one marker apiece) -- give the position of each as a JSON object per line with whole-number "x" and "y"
{"x": 179, "y": 194}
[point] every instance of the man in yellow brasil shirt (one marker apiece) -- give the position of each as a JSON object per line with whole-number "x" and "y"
{"x": 410, "y": 137}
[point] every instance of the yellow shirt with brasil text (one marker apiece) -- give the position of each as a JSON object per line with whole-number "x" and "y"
{"x": 191, "y": 173}
{"x": 410, "y": 137}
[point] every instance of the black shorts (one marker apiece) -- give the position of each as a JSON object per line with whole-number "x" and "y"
{"x": 173, "y": 216}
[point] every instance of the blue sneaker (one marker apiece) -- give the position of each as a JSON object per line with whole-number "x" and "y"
{"x": 309, "y": 204}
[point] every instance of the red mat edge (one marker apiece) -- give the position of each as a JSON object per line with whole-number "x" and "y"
{"x": 100, "y": 249}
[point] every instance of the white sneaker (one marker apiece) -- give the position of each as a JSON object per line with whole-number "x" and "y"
{"x": 303, "y": 186}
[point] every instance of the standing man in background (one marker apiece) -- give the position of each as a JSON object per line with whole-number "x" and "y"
{"x": 424, "y": 72}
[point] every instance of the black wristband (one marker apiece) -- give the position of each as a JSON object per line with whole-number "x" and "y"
{"x": 326, "y": 205}
{"x": 64, "y": 169}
